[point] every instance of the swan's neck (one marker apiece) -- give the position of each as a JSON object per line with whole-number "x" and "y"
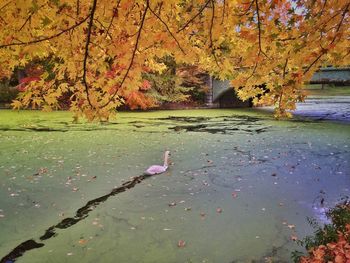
{"x": 166, "y": 159}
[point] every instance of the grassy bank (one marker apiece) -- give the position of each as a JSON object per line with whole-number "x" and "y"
{"x": 327, "y": 90}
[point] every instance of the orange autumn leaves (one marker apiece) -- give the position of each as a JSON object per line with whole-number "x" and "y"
{"x": 98, "y": 52}
{"x": 337, "y": 252}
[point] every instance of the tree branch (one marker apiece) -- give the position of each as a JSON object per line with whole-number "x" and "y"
{"x": 259, "y": 29}
{"x": 223, "y": 11}
{"x": 285, "y": 67}
{"x": 45, "y": 38}
{"x": 333, "y": 40}
{"x": 211, "y": 33}
{"x": 249, "y": 7}
{"x": 115, "y": 13}
{"x": 78, "y": 8}
{"x": 133, "y": 53}
{"x": 26, "y": 21}
{"x": 168, "y": 29}
{"x": 194, "y": 17}
{"x": 86, "y": 55}
{"x": 5, "y": 5}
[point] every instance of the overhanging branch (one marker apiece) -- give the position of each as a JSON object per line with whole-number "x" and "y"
{"x": 133, "y": 53}
{"x": 45, "y": 38}
{"x": 86, "y": 54}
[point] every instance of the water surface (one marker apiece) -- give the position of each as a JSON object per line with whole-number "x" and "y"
{"x": 239, "y": 188}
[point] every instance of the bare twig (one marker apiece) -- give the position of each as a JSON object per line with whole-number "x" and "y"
{"x": 103, "y": 26}
{"x": 323, "y": 7}
{"x": 253, "y": 72}
{"x": 223, "y": 11}
{"x": 248, "y": 9}
{"x": 26, "y": 21}
{"x": 168, "y": 29}
{"x": 285, "y": 67}
{"x": 45, "y": 38}
{"x": 78, "y": 7}
{"x": 115, "y": 13}
{"x": 194, "y": 17}
{"x": 5, "y": 5}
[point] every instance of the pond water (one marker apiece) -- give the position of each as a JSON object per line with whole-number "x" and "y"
{"x": 239, "y": 188}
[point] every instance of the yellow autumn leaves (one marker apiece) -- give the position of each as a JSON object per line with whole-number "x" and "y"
{"x": 274, "y": 43}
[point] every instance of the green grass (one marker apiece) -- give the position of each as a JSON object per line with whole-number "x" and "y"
{"x": 327, "y": 90}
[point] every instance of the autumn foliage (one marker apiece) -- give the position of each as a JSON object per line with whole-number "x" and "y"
{"x": 337, "y": 252}
{"x": 331, "y": 242}
{"x": 98, "y": 49}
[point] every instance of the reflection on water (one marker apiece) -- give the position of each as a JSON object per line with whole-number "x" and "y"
{"x": 239, "y": 188}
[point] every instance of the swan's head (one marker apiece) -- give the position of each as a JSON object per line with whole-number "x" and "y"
{"x": 167, "y": 153}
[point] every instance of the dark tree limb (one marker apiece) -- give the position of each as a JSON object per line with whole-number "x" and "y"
{"x": 211, "y": 33}
{"x": 86, "y": 54}
{"x": 78, "y": 7}
{"x": 285, "y": 67}
{"x": 20, "y": 43}
{"x": 259, "y": 29}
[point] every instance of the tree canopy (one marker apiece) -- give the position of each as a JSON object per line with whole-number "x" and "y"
{"x": 98, "y": 50}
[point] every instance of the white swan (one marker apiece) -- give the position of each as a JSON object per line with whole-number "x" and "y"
{"x": 158, "y": 169}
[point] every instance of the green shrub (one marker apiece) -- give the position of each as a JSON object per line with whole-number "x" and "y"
{"x": 7, "y": 93}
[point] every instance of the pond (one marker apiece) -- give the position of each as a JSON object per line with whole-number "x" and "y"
{"x": 239, "y": 188}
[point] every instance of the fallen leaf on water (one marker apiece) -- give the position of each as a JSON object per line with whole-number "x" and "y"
{"x": 82, "y": 241}
{"x": 234, "y": 194}
{"x": 167, "y": 229}
{"x": 202, "y": 215}
{"x": 291, "y": 226}
{"x": 172, "y": 204}
{"x": 69, "y": 254}
{"x": 188, "y": 208}
{"x": 219, "y": 210}
{"x": 181, "y": 243}
{"x": 294, "y": 238}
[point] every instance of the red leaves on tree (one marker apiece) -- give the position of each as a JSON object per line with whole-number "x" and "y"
{"x": 24, "y": 81}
